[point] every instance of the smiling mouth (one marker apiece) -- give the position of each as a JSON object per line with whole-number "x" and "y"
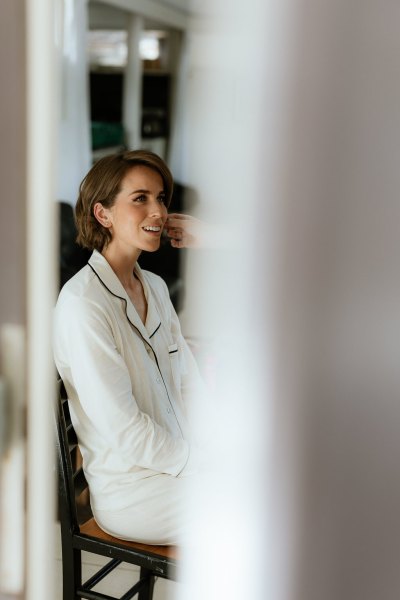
{"x": 155, "y": 228}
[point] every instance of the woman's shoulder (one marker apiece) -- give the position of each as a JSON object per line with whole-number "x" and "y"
{"x": 79, "y": 284}
{"x": 82, "y": 304}
{"x": 80, "y": 293}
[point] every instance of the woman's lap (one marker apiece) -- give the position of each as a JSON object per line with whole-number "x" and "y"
{"x": 157, "y": 514}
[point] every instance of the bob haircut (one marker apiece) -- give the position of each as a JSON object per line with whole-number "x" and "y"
{"x": 103, "y": 183}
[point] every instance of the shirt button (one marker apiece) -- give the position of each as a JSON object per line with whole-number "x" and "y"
{"x": 158, "y": 380}
{"x": 168, "y": 410}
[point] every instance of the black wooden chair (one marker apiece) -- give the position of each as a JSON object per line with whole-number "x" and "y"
{"x": 79, "y": 533}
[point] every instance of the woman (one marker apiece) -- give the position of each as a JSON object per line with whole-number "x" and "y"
{"x": 128, "y": 372}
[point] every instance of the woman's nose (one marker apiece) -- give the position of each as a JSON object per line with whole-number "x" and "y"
{"x": 157, "y": 208}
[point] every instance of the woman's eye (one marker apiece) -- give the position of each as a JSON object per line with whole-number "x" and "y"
{"x": 161, "y": 199}
{"x": 140, "y": 199}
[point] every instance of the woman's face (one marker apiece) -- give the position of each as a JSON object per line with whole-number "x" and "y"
{"x": 138, "y": 215}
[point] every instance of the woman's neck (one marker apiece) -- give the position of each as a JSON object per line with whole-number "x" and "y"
{"x": 123, "y": 264}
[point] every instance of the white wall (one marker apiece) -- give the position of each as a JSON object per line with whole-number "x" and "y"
{"x": 74, "y": 138}
{"x": 173, "y": 14}
{"x": 294, "y": 145}
{"x": 103, "y": 16}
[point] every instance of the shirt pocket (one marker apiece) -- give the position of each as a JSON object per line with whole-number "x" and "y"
{"x": 174, "y": 358}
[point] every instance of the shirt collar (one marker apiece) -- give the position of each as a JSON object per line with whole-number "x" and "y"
{"x": 111, "y": 282}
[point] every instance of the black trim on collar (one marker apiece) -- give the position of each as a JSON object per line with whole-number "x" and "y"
{"x": 126, "y": 305}
{"x": 155, "y": 331}
{"x": 145, "y": 341}
{"x": 107, "y": 288}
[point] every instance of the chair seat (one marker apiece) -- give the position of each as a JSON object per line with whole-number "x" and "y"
{"x": 91, "y": 529}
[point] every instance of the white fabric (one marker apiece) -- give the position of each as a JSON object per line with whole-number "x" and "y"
{"x": 130, "y": 386}
{"x": 159, "y": 514}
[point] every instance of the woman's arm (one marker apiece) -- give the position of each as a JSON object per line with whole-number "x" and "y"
{"x": 103, "y": 385}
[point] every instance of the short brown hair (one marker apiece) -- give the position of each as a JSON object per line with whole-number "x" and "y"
{"x": 103, "y": 183}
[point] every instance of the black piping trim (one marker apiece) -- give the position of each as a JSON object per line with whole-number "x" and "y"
{"x": 173, "y": 351}
{"x": 155, "y": 331}
{"x": 108, "y": 289}
{"x": 145, "y": 341}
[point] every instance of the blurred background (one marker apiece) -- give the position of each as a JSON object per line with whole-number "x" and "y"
{"x": 280, "y": 122}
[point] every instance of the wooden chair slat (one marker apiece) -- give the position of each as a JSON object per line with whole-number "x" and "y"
{"x": 72, "y": 439}
{"x": 80, "y": 483}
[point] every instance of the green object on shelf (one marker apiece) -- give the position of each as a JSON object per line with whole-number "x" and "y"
{"x": 107, "y": 134}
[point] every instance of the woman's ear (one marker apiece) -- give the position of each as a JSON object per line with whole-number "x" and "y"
{"x": 102, "y": 214}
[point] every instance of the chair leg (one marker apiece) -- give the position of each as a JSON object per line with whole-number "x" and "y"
{"x": 72, "y": 573}
{"x": 146, "y": 593}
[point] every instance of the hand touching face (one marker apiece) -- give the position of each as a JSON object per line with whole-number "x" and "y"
{"x": 185, "y": 231}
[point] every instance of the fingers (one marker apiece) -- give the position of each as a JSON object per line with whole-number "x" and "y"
{"x": 177, "y": 243}
{"x": 175, "y": 224}
{"x": 179, "y": 216}
{"x": 181, "y": 229}
{"x": 174, "y": 233}
{"x": 179, "y": 220}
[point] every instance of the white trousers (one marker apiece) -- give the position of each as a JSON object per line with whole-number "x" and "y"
{"x": 157, "y": 515}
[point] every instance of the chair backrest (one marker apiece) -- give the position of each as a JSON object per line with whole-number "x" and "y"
{"x": 72, "y": 481}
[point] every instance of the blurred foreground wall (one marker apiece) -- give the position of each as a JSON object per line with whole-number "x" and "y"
{"x": 12, "y": 161}
{"x": 340, "y": 309}
{"x": 294, "y": 149}
{"x": 12, "y": 294}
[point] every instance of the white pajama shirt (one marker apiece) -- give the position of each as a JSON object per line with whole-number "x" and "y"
{"x": 130, "y": 387}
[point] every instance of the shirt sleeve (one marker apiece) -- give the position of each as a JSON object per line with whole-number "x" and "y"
{"x": 103, "y": 385}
